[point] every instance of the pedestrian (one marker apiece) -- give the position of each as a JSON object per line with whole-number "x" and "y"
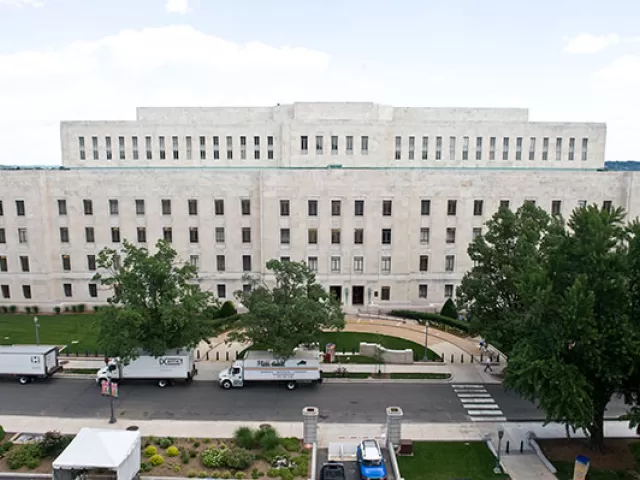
{"x": 487, "y": 365}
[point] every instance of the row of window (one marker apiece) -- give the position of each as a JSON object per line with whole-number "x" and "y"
{"x": 285, "y": 207}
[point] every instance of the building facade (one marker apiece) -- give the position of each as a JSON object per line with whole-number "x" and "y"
{"x": 381, "y": 202}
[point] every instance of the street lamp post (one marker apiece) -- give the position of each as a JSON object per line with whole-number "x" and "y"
{"x": 35, "y": 321}
{"x": 110, "y": 369}
{"x": 426, "y": 340}
{"x": 497, "y": 468}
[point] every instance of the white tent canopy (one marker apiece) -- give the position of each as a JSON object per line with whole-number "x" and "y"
{"x": 117, "y": 450}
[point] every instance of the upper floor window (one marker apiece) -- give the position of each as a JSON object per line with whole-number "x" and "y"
{"x": 20, "y": 209}
{"x": 94, "y": 147}
{"x": 349, "y": 146}
{"x": 312, "y": 208}
{"x": 452, "y": 207}
{"x": 585, "y": 146}
{"x": 319, "y": 145}
{"x": 398, "y": 148}
{"x": 386, "y": 208}
{"x": 83, "y": 154}
{"x": 304, "y": 144}
{"x": 336, "y": 208}
{"x": 334, "y": 144}
{"x": 284, "y": 208}
{"x": 364, "y": 145}
{"x": 358, "y": 208}
{"x": 62, "y": 207}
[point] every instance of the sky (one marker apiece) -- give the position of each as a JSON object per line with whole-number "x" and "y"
{"x": 565, "y": 60}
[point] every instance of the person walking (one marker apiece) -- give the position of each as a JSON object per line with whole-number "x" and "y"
{"x": 487, "y": 365}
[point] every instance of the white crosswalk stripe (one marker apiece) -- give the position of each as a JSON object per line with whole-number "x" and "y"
{"x": 480, "y": 406}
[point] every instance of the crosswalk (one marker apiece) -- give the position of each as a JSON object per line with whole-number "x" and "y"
{"x": 480, "y": 406}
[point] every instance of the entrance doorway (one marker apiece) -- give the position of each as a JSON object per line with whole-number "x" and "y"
{"x": 336, "y": 292}
{"x": 358, "y": 295}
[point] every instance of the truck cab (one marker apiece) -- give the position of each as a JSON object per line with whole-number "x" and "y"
{"x": 233, "y": 377}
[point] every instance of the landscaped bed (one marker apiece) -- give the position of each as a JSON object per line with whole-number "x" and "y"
{"x": 620, "y": 459}
{"x": 251, "y": 454}
{"x": 447, "y": 460}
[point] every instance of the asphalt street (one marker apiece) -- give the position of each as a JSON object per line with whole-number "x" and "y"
{"x": 338, "y": 403}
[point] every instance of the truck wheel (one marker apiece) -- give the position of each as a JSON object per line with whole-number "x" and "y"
{"x": 291, "y": 386}
{"x": 226, "y": 384}
{"x": 163, "y": 383}
{"x": 24, "y": 380}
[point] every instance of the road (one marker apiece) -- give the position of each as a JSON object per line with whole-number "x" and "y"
{"x": 338, "y": 403}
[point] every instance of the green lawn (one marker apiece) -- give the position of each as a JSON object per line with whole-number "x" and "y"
{"x": 356, "y": 359}
{"x": 350, "y": 342}
{"x": 54, "y": 330}
{"x": 421, "y": 376}
{"x": 447, "y": 460}
{"x": 345, "y": 375}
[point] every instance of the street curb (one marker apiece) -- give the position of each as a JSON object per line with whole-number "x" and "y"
{"x": 76, "y": 376}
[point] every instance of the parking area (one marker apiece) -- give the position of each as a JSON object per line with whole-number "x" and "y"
{"x": 345, "y": 454}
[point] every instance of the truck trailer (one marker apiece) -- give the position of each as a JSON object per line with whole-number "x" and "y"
{"x": 165, "y": 369}
{"x": 260, "y": 366}
{"x": 28, "y": 362}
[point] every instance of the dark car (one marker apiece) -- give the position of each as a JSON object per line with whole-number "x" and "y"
{"x": 332, "y": 471}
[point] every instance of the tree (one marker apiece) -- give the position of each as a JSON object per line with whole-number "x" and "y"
{"x": 449, "y": 309}
{"x": 293, "y": 312}
{"x": 156, "y": 306}
{"x": 575, "y": 341}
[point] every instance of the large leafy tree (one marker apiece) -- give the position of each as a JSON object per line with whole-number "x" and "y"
{"x": 575, "y": 340}
{"x": 292, "y": 312}
{"x": 156, "y": 305}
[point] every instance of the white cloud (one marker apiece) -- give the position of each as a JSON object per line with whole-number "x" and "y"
{"x": 167, "y": 66}
{"x": 588, "y": 43}
{"x": 177, "y": 6}
{"x": 23, "y": 3}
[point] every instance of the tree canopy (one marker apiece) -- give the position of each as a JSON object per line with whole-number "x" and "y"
{"x": 156, "y": 305}
{"x": 559, "y": 300}
{"x": 293, "y": 312}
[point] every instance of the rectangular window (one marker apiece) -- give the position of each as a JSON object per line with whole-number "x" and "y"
{"x": 6, "y": 292}
{"x": 166, "y": 206}
{"x": 222, "y": 290}
{"x": 452, "y": 207}
{"x": 398, "y": 148}
{"x": 175, "y": 148}
{"x": 556, "y": 207}
{"x": 607, "y": 206}
{"x": 425, "y": 207}
{"x": 94, "y": 146}
{"x": 229, "y": 148}
{"x": 349, "y": 146}
{"x": 518, "y": 148}
{"x": 285, "y": 236}
{"x": 3, "y": 236}
{"x": 358, "y": 208}
{"x": 243, "y": 147}
{"x": 412, "y": 148}
{"x": 304, "y": 144}
{"x": 89, "y": 235}
{"x": 26, "y": 291}
{"x": 284, "y": 208}
{"x": 423, "y": 290}
{"x": 532, "y": 148}
{"x": 91, "y": 263}
{"x": 24, "y": 264}
{"x": 194, "y": 261}
{"x": 334, "y": 144}
{"x": 3, "y": 264}
{"x": 312, "y": 236}
{"x": 385, "y": 264}
{"x": 386, "y": 236}
{"x": 424, "y": 263}
{"x": 117, "y": 262}
{"x": 245, "y": 206}
{"x": 83, "y": 154}
{"x": 121, "y": 148}
{"x": 385, "y": 293}
{"x": 114, "y": 207}
{"x": 220, "y": 235}
{"x": 478, "y": 150}
{"x": 572, "y": 148}
{"x": 452, "y": 148}
{"x": 134, "y": 148}
{"x": 187, "y": 142}
{"x": 358, "y": 236}
{"x": 336, "y": 208}
{"x": 451, "y": 235}
{"x": 20, "y": 209}
{"x": 505, "y": 148}
{"x": 448, "y": 290}
{"x": 139, "y": 206}
{"x": 256, "y": 148}
{"x": 141, "y": 234}
{"x": 449, "y": 263}
{"x": 192, "y": 206}
{"x": 335, "y": 236}
{"x": 478, "y": 207}
{"x": 438, "y": 148}
{"x": 218, "y": 206}
{"x": 492, "y": 148}
{"x": 364, "y": 145}
{"x": 66, "y": 263}
{"x": 585, "y": 147}
{"x": 107, "y": 143}
{"x": 220, "y": 263}
{"x": 386, "y": 208}
{"x": 504, "y": 204}
{"x": 68, "y": 290}
{"x": 216, "y": 148}
{"x": 558, "y": 149}
{"x": 62, "y": 207}
{"x": 162, "y": 147}
{"x": 246, "y": 263}
{"x": 269, "y": 148}
{"x": 22, "y": 235}
{"x": 203, "y": 148}
{"x": 358, "y": 264}
{"x": 545, "y": 148}
{"x": 335, "y": 264}
{"x": 424, "y": 235}
{"x": 425, "y": 148}
{"x": 312, "y": 208}
{"x": 246, "y": 288}
{"x": 246, "y": 234}
{"x": 167, "y": 234}
{"x": 476, "y": 232}
{"x": 115, "y": 234}
{"x": 1, "y": 209}
{"x": 93, "y": 290}
{"x": 465, "y": 148}
{"x": 148, "y": 147}
{"x": 319, "y": 145}
{"x": 64, "y": 235}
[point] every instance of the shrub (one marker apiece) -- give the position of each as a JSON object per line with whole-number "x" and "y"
{"x": 173, "y": 451}
{"x": 74, "y": 308}
{"x": 225, "y": 474}
{"x": 245, "y": 438}
{"x": 206, "y": 440}
{"x": 228, "y": 309}
{"x": 291, "y": 444}
{"x": 81, "y": 308}
{"x": 56, "y": 310}
{"x": 273, "y": 473}
{"x": 240, "y": 475}
{"x": 27, "y": 455}
{"x": 196, "y": 444}
{"x": 255, "y": 474}
{"x": 150, "y": 451}
{"x": 96, "y": 308}
{"x": 271, "y": 455}
{"x": 300, "y": 466}
{"x": 192, "y": 474}
{"x": 4, "y": 309}
{"x": 28, "y": 309}
{"x": 35, "y": 309}
{"x": 176, "y": 468}
{"x": 212, "y": 458}
{"x": 202, "y": 474}
{"x": 184, "y": 455}
{"x": 165, "y": 442}
{"x": 285, "y": 474}
{"x": 53, "y": 443}
{"x": 5, "y": 447}
{"x": 237, "y": 458}
{"x": 193, "y": 453}
{"x": 449, "y": 309}
{"x": 268, "y": 438}
{"x": 13, "y": 309}
{"x": 2, "y": 433}
{"x": 156, "y": 460}
{"x": 433, "y": 318}
{"x": 145, "y": 467}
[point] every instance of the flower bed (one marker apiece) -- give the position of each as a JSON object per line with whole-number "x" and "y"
{"x": 34, "y": 457}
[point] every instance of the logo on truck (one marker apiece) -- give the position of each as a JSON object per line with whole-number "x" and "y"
{"x": 274, "y": 363}
{"x": 170, "y": 361}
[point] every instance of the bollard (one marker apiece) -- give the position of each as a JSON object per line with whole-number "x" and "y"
{"x": 217, "y": 356}
{"x": 86, "y": 353}
{"x": 227, "y": 355}
{"x": 236, "y": 354}
{"x": 498, "y": 359}
{"x": 491, "y": 358}
{"x": 462, "y": 358}
{"x": 198, "y": 354}
{"x": 452, "y": 358}
{"x": 344, "y": 351}
{"x": 507, "y": 447}
{"x": 481, "y": 357}
{"x": 521, "y": 446}
{"x": 207, "y": 356}
{"x": 472, "y": 358}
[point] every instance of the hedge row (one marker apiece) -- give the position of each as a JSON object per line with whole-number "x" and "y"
{"x": 421, "y": 317}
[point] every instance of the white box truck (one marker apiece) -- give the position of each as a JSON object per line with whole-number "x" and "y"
{"x": 28, "y": 362}
{"x": 165, "y": 369}
{"x": 257, "y": 366}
